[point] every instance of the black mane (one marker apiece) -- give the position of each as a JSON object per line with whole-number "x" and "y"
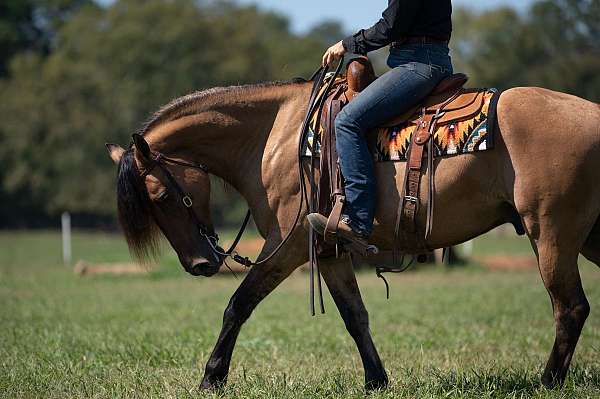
{"x": 135, "y": 212}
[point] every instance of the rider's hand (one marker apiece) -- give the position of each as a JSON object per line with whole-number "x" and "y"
{"x": 333, "y": 53}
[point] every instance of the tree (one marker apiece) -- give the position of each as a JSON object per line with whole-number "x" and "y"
{"x": 556, "y": 45}
{"x": 31, "y": 25}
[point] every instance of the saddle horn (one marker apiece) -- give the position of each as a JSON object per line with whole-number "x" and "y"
{"x": 360, "y": 74}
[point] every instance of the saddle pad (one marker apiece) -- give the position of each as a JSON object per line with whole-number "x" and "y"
{"x": 455, "y": 137}
{"x": 460, "y": 136}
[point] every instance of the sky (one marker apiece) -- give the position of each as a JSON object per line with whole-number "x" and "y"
{"x": 355, "y": 14}
{"x": 305, "y": 14}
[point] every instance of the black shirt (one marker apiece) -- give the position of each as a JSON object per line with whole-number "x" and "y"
{"x": 404, "y": 18}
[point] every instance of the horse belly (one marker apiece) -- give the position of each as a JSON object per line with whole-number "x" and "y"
{"x": 467, "y": 201}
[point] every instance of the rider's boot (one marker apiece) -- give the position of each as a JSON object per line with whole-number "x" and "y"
{"x": 349, "y": 238}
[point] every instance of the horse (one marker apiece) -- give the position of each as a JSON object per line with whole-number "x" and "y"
{"x": 542, "y": 172}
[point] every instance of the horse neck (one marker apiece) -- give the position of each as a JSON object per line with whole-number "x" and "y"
{"x": 248, "y": 138}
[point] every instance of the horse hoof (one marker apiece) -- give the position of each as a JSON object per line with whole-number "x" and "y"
{"x": 550, "y": 382}
{"x": 375, "y": 385}
{"x": 210, "y": 385}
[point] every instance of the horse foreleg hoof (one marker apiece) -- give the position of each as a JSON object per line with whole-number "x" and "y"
{"x": 376, "y": 385}
{"x": 551, "y": 382}
{"x": 211, "y": 384}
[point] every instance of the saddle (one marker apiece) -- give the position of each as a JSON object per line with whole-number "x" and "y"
{"x": 448, "y": 103}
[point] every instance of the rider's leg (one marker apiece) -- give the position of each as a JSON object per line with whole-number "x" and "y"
{"x": 395, "y": 92}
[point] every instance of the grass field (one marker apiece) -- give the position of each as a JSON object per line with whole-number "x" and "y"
{"x": 463, "y": 333}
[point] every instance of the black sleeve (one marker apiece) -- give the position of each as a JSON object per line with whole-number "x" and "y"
{"x": 396, "y": 21}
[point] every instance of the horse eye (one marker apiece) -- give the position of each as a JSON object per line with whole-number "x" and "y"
{"x": 162, "y": 196}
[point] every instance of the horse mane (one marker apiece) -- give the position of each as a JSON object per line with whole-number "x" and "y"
{"x": 135, "y": 211}
{"x": 133, "y": 202}
{"x": 190, "y": 103}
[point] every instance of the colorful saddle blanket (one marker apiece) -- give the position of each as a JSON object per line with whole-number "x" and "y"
{"x": 463, "y": 128}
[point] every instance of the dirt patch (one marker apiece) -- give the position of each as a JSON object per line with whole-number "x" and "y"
{"x": 247, "y": 247}
{"x": 503, "y": 262}
{"x": 250, "y": 247}
{"x": 84, "y": 268}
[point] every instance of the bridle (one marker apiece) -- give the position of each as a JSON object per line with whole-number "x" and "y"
{"x": 160, "y": 161}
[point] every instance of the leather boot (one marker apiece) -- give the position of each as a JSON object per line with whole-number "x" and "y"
{"x": 344, "y": 232}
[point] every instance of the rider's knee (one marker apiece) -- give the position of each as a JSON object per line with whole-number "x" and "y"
{"x": 346, "y": 122}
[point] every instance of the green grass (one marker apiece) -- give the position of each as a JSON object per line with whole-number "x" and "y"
{"x": 464, "y": 333}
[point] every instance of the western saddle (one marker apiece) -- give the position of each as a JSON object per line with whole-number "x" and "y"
{"x": 448, "y": 102}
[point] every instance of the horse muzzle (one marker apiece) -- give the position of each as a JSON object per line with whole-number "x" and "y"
{"x": 203, "y": 267}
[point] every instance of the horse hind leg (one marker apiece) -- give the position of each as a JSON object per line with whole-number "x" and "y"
{"x": 571, "y": 309}
{"x": 558, "y": 268}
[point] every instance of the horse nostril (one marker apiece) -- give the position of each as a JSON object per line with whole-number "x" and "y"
{"x": 200, "y": 268}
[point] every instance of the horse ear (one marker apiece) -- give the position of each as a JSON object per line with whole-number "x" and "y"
{"x": 115, "y": 152}
{"x": 142, "y": 145}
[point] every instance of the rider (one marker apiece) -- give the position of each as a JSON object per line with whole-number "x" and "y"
{"x": 418, "y": 32}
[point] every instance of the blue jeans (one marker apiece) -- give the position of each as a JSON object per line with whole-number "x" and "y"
{"x": 416, "y": 70}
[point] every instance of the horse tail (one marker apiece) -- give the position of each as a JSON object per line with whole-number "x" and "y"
{"x": 591, "y": 248}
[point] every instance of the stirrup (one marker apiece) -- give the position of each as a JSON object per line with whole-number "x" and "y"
{"x": 333, "y": 221}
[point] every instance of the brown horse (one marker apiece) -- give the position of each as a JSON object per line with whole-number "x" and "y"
{"x": 543, "y": 171}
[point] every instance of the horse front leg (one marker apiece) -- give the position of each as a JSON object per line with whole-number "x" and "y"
{"x": 341, "y": 281}
{"x": 259, "y": 283}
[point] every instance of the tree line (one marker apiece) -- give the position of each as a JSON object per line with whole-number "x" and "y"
{"x": 75, "y": 74}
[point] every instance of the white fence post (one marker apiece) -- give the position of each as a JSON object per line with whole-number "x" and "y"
{"x": 468, "y": 249}
{"x": 66, "y": 237}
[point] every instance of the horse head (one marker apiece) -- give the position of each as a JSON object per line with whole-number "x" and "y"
{"x": 160, "y": 194}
